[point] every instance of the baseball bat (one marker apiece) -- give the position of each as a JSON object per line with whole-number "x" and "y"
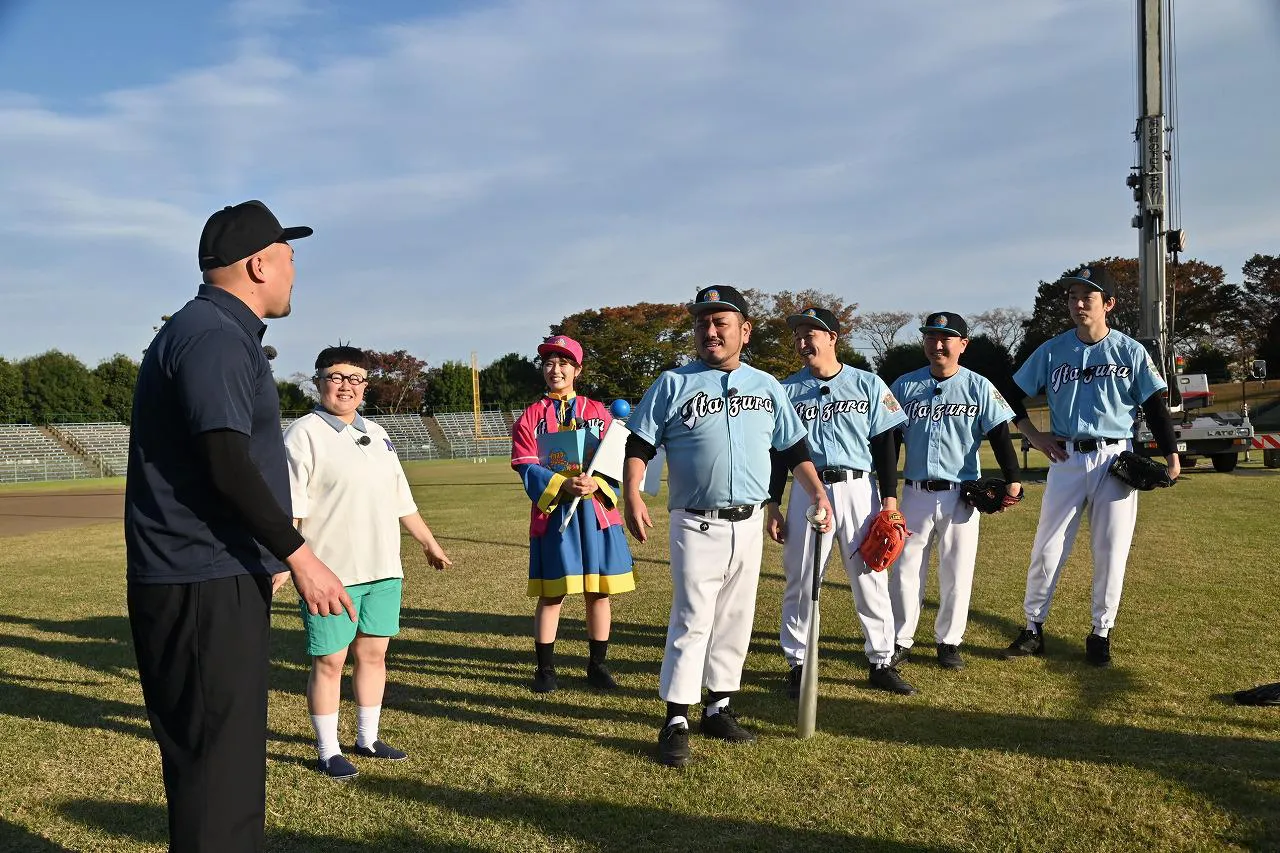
{"x": 807, "y": 720}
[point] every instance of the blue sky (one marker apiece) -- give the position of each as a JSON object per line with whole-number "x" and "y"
{"x": 477, "y": 170}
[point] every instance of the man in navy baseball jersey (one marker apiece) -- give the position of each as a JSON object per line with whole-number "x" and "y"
{"x": 1094, "y": 379}
{"x": 949, "y": 409}
{"x": 849, "y": 415}
{"x": 718, "y": 420}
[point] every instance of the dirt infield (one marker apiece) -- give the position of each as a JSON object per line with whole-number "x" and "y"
{"x": 31, "y": 512}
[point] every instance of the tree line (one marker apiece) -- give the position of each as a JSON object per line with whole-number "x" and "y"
{"x": 1217, "y": 325}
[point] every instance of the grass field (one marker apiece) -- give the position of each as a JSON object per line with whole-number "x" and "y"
{"x": 1041, "y": 754}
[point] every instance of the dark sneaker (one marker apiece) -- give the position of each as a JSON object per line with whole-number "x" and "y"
{"x": 1097, "y": 650}
{"x": 901, "y": 654}
{"x": 673, "y": 746}
{"x": 793, "y": 681}
{"x": 724, "y": 726}
{"x": 337, "y": 767}
{"x": 949, "y": 657}
{"x": 380, "y": 750}
{"x": 887, "y": 677}
{"x": 1028, "y": 643}
{"x": 544, "y": 680}
{"x": 598, "y": 675}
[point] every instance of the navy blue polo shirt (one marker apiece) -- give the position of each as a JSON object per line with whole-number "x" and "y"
{"x": 205, "y": 370}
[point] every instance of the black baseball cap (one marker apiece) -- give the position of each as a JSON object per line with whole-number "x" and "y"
{"x": 814, "y": 316}
{"x": 1096, "y": 277}
{"x": 237, "y": 232}
{"x": 718, "y": 297}
{"x": 946, "y": 323}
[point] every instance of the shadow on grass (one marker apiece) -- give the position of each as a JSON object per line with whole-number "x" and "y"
{"x": 616, "y": 827}
{"x": 148, "y": 824}
{"x": 17, "y": 839}
{"x": 23, "y": 700}
{"x": 1223, "y": 770}
{"x": 101, "y": 643}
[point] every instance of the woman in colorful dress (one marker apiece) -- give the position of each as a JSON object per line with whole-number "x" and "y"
{"x": 591, "y": 556}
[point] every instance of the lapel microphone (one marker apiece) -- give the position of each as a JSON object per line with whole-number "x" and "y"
{"x": 826, "y": 389}
{"x": 364, "y": 441}
{"x": 732, "y": 392}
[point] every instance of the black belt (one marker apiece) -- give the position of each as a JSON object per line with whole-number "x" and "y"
{"x": 730, "y": 513}
{"x": 934, "y": 485}
{"x": 1088, "y": 445}
{"x": 839, "y": 475}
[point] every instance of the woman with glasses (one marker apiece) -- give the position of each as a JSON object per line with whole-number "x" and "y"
{"x": 591, "y": 556}
{"x": 349, "y": 492}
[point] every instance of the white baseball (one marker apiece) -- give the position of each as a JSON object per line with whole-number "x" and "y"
{"x": 816, "y": 514}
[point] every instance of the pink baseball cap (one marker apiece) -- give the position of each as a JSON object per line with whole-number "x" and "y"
{"x": 563, "y": 345}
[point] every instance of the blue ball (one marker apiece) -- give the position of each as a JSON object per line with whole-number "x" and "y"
{"x": 620, "y": 408}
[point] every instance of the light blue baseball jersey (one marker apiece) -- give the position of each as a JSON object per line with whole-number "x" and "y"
{"x": 856, "y": 407}
{"x": 717, "y": 428}
{"x": 1093, "y": 389}
{"x": 944, "y": 431}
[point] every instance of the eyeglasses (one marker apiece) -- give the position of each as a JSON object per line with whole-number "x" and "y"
{"x": 355, "y": 380}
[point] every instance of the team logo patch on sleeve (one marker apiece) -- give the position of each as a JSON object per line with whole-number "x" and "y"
{"x": 999, "y": 398}
{"x": 890, "y": 402}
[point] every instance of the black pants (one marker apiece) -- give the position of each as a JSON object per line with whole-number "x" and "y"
{"x": 203, "y": 653}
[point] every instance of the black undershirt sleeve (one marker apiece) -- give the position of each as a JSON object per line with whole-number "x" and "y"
{"x": 1161, "y": 423}
{"x": 794, "y": 455}
{"x": 777, "y": 477}
{"x": 884, "y": 457}
{"x": 1002, "y": 446}
{"x": 638, "y": 448}
{"x": 237, "y": 480}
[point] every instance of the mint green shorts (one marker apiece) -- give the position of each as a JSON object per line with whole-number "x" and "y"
{"x": 377, "y": 606}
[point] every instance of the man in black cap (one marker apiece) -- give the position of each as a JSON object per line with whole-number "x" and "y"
{"x": 718, "y": 419}
{"x": 209, "y": 534}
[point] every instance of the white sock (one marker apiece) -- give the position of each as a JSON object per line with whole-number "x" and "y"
{"x": 1033, "y": 627}
{"x": 367, "y": 725}
{"x": 715, "y": 707}
{"x": 678, "y": 721}
{"x": 326, "y": 726}
{"x": 1102, "y": 632}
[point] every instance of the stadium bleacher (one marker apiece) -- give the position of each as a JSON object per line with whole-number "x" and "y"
{"x": 28, "y": 455}
{"x": 409, "y": 435}
{"x": 460, "y": 431}
{"x": 107, "y": 444}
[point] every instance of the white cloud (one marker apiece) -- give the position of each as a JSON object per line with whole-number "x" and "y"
{"x": 472, "y": 178}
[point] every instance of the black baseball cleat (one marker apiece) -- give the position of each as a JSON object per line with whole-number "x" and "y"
{"x": 793, "y": 681}
{"x": 599, "y": 676}
{"x": 949, "y": 656}
{"x": 378, "y": 749}
{"x": 1097, "y": 650}
{"x": 724, "y": 726}
{"x": 544, "y": 680}
{"x": 1028, "y": 643}
{"x": 673, "y": 746}
{"x": 901, "y": 654}
{"x": 886, "y": 677}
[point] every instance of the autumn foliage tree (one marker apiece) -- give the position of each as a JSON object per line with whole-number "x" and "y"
{"x": 397, "y": 382}
{"x": 625, "y": 348}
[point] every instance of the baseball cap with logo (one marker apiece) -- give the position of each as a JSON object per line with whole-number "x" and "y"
{"x": 946, "y": 323}
{"x": 237, "y": 232}
{"x": 814, "y": 316}
{"x": 1096, "y": 277}
{"x": 718, "y": 297}
{"x": 561, "y": 345}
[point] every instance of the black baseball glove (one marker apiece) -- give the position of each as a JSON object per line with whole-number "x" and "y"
{"x": 987, "y": 495}
{"x": 1140, "y": 472}
{"x": 1266, "y": 694}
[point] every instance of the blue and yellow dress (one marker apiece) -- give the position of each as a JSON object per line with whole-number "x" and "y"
{"x": 592, "y": 554}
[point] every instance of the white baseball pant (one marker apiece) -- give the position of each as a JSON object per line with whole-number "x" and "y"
{"x": 855, "y": 503}
{"x": 1113, "y": 511}
{"x": 945, "y": 520}
{"x": 715, "y": 568}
